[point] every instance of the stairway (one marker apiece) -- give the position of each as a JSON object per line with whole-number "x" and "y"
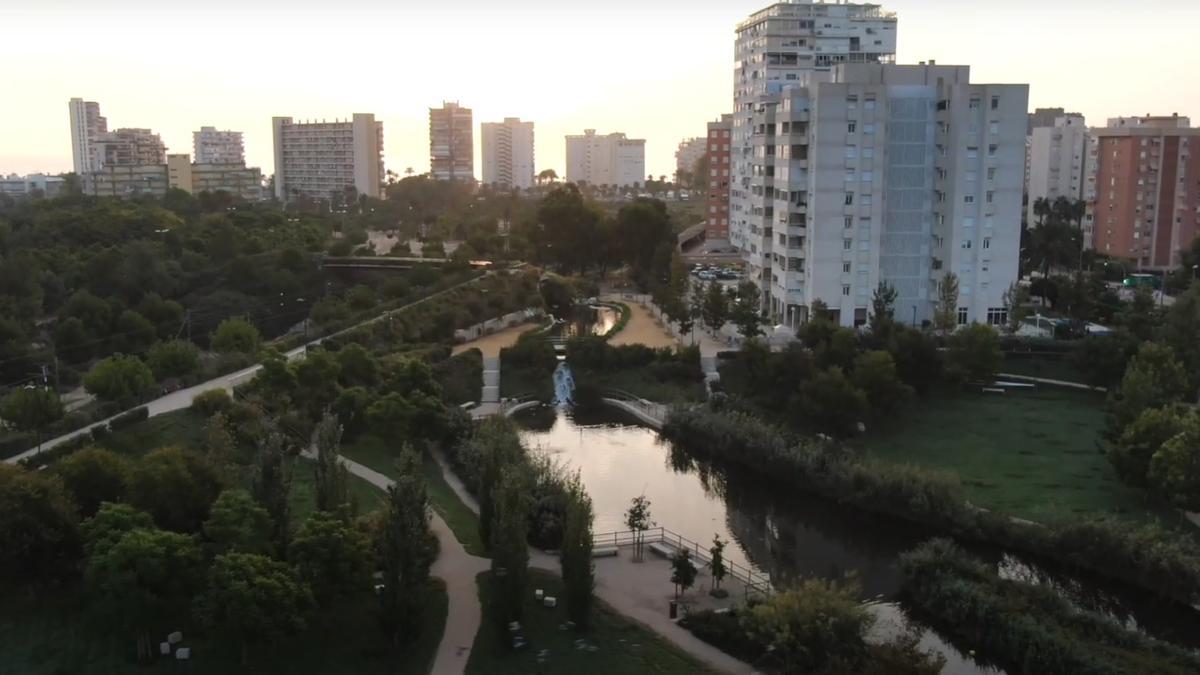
{"x": 491, "y": 380}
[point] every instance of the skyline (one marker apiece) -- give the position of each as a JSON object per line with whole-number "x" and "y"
{"x": 237, "y": 69}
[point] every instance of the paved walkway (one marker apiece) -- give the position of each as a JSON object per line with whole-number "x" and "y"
{"x": 642, "y": 328}
{"x": 639, "y": 591}
{"x": 458, "y": 569}
{"x": 1043, "y": 380}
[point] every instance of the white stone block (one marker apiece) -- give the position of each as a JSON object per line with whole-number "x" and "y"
{"x": 539, "y": 594}
{"x": 183, "y": 653}
{"x": 550, "y": 601}
{"x": 175, "y": 638}
{"x": 164, "y": 648}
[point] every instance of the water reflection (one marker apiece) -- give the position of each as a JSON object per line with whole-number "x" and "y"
{"x": 589, "y": 320}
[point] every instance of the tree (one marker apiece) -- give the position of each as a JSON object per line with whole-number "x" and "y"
{"x": 332, "y": 556}
{"x": 716, "y": 554}
{"x": 1016, "y": 299}
{"x": 1175, "y": 468}
{"x": 830, "y": 403}
{"x": 252, "y": 599}
{"x": 120, "y": 379}
{"x": 38, "y": 527}
{"x": 883, "y": 313}
{"x": 637, "y": 519}
{"x": 575, "y": 554}
{"x": 93, "y": 476}
{"x": 406, "y": 549}
{"x": 547, "y": 176}
{"x": 237, "y": 523}
{"x": 357, "y": 367}
{"x": 111, "y": 522}
{"x": 133, "y": 332}
{"x": 271, "y": 484}
{"x": 236, "y": 335}
{"x": 945, "y": 315}
{"x": 1181, "y": 332}
{"x": 1134, "y": 450}
{"x": 811, "y": 626}
{"x": 510, "y": 552}
{"x": 746, "y": 311}
{"x": 173, "y": 358}
{"x": 31, "y": 409}
{"x": 683, "y": 572}
{"x": 498, "y": 446}
{"x": 221, "y": 446}
{"x": 715, "y": 311}
{"x": 918, "y": 362}
{"x": 332, "y": 478}
{"x": 974, "y": 354}
{"x": 875, "y": 375}
{"x": 73, "y": 342}
{"x": 144, "y": 581}
{"x": 1153, "y": 378}
{"x": 175, "y": 486}
{"x": 317, "y": 380}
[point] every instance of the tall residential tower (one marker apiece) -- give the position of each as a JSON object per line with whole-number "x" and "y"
{"x": 451, "y": 143}
{"x": 318, "y": 159}
{"x": 507, "y": 150}
{"x": 86, "y": 126}
{"x": 210, "y": 146}
{"x": 610, "y": 159}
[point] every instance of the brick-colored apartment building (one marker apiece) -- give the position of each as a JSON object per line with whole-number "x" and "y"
{"x": 716, "y": 194}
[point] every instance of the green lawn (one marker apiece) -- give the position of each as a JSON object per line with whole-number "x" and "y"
{"x": 303, "y": 498}
{"x": 639, "y": 383}
{"x": 1033, "y": 455}
{"x": 1052, "y": 369}
{"x": 622, "y": 645}
{"x": 375, "y": 453}
{"x": 181, "y": 428}
{"x": 55, "y": 635}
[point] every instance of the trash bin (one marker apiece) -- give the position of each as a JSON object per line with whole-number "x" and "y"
{"x": 673, "y": 610}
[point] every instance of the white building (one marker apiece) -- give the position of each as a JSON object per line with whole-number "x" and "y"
{"x": 877, "y": 173}
{"x": 611, "y": 159}
{"x": 318, "y": 159}
{"x": 210, "y": 146}
{"x": 128, "y": 147}
{"x": 86, "y": 125}
{"x": 234, "y": 178}
{"x": 689, "y": 152}
{"x": 35, "y": 183}
{"x": 507, "y": 150}
{"x": 1056, "y": 161}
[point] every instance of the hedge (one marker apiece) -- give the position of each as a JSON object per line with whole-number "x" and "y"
{"x": 128, "y": 419}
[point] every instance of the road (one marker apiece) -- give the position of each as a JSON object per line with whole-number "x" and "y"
{"x": 183, "y": 398}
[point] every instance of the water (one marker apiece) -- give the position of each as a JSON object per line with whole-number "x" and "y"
{"x": 789, "y": 535}
{"x": 589, "y": 320}
{"x": 564, "y": 385}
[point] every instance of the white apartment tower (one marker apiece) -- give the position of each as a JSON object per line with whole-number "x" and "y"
{"x": 610, "y": 159}
{"x": 86, "y": 126}
{"x": 210, "y": 146}
{"x": 317, "y": 159}
{"x": 1057, "y": 155}
{"x": 875, "y": 173}
{"x": 507, "y": 150}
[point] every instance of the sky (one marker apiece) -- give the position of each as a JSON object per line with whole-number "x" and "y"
{"x": 653, "y": 69}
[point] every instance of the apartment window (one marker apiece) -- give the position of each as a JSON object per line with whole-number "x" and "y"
{"x": 997, "y": 316}
{"x": 846, "y": 268}
{"x": 849, "y": 222}
{"x": 868, "y": 128}
{"x": 868, "y": 176}
{"x": 847, "y": 244}
{"x": 845, "y": 289}
{"x": 850, "y": 176}
{"x": 869, "y": 104}
{"x": 987, "y": 242}
{"x": 968, "y": 199}
{"x": 990, "y": 196}
{"x": 995, "y": 103}
{"x": 971, "y": 175}
{"x": 851, "y": 152}
{"x": 969, "y": 221}
{"x": 865, "y": 200}
{"x": 713, "y": 147}
{"x": 992, "y": 150}
{"x": 962, "y": 316}
{"x": 852, "y": 102}
{"x": 849, "y": 198}
{"x": 991, "y": 173}
{"x": 972, "y": 153}
{"x": 851, "y": 127}
{"x": 994, "y": 128}
{"x": 974, "y": 104}
{"x": 868, "y": 153}
{"x": 967, "y": 244}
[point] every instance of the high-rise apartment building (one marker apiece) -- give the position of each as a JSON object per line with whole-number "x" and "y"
{"x": 86, "y": 125}
{"x": 451, "y": 143}
{"x": 689, "y": 152}
{"x": 716, "y": 191}
{"x": 210, "y": 146}
{"x": 1056, "y": 162}
{"x": 874, "y": 173}
{"x": 237, "y": 179}
{"x": 318, "y": 159}
{"x": 128, "y": 147}
{"x": 610, "y": 159}
{"x": 507, "y": 151}
{"x": 1143, "y": 189}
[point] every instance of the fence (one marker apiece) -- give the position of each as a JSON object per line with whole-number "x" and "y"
{"x": 752, "y": 581}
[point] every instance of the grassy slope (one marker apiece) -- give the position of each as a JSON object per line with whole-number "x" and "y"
{"x": 377, "y": 454}
{"x": 1033, "y": 455}
{"x": 623, "y": 646}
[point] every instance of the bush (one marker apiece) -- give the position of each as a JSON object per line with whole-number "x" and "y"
{"x": 211, "y": 402}
{"x": 128, "y": 419}
{"x": 100, "y": 432}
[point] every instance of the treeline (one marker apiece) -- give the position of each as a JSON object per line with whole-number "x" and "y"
{"x": 1158, "y": 560}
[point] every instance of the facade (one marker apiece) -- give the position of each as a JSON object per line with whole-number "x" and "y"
{"x": 127, "y": 180}
{"x": 877, "y": 173}
{"x": 86, "y": 125}
{"x": 716, "y": 190}
{"x": 689, "y": 152}
{"x": 236, "y": 179}
{"x": 129, "y": 147}
{"x": 33, "y": 184}
{"x": 610, "y": 159}
{"x": 1143, "y": 189}
{"x": 1056, "y": 162}
{"x": 507, "y": 151}
{"x": 210, "y": 146}
{"x": 318, "y": 159}
{"x": 451, "y": 143}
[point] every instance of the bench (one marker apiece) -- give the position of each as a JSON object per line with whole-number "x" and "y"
{"x": 605, "y": 552}
{"x": 663, "y": 549}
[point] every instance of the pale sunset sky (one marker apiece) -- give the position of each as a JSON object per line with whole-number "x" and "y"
{"x": 654, "y": 69}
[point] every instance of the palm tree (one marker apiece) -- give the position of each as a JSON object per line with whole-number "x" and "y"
{"x": 547, "y": 176}
{"x": 409, "y": 171}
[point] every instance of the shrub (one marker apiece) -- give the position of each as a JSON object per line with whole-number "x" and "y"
{"x": 128, "y": 419}
{"x": 100, "y": 432}
{"x": 212, "y": 401}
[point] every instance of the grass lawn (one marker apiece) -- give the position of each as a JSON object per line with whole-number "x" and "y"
{"x": 1051, "y": 369}
{"x": 1033, "y": 455}
{"x": 303, "y": 498}
{"x": 55, "y": 634}
{"x": 180, "y": 428}
{"x": 622, "y": 645}
{"x": 639, "y": 383}
{"x": 375, "y": 453}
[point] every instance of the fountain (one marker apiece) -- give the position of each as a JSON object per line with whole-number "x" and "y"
{"x": 564, "y": 385}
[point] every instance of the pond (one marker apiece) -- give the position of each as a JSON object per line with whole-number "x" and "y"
{"x": 589, "y": 320}
{"x": 785, "y": 534}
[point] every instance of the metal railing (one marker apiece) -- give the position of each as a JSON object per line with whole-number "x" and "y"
{"x": 752, "y": 581}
